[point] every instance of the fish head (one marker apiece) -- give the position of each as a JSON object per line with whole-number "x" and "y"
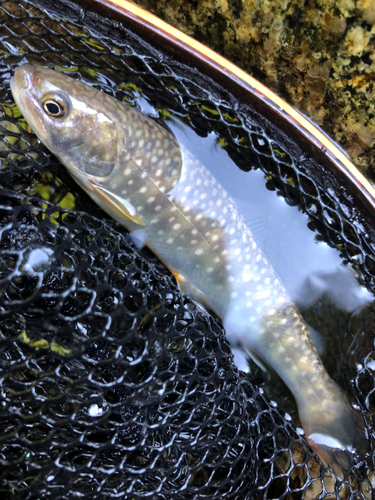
{"x": 63, "y": 115}
{"x": 118, "y": 155}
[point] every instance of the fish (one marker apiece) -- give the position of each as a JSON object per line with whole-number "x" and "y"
{"x": 135, "y": 169}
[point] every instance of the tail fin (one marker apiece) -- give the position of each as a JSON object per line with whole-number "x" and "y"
{"x": 336, "y": 432}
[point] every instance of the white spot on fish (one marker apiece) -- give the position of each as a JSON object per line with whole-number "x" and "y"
{"x": 199, "y": 251}
{"x": 143, "y": 189}
{"x": 176, "y": 226}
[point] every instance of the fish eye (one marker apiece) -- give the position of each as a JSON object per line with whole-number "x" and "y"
{"x": 55, "y": 106}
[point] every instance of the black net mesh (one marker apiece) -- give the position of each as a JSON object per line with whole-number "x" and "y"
{"x": 113, "y": 383}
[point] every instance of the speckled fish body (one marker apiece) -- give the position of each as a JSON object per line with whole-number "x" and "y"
{"x": 139, "y": 174}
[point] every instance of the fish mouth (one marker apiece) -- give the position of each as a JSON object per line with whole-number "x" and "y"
{"x": 24, "y": 93}
{"x": 21, "y": 81}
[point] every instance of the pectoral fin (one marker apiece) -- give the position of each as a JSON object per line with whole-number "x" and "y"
{"x": 122, "y": 209}
{"x": 189, "y": 288}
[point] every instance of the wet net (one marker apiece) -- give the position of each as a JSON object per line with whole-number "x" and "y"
{"x": 113, "y": 383}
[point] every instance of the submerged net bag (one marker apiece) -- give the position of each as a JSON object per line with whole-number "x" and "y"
{"x": 113, "y": 383}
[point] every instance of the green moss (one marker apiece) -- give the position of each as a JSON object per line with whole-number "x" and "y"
{"x": 44, "y": 344}
{"x": 222, "y": 142}
{"x": 130, "y": 86}
{"x": 214, "y": 112}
